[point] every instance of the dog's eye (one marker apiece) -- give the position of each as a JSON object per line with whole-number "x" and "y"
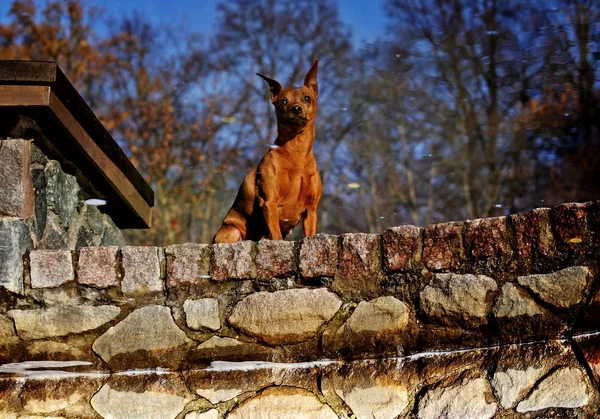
{"x": 306, "y": 98}
{"x": 282, "y": 102}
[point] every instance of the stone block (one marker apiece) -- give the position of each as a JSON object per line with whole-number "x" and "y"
{"x": 562, "y": 289}
{"x": 458, "y": 300}
{"x": 488, "y": 241}
{"x": 147, "y": 338}
{"x": 234, "y": 260}
{"x": 61, "y": 321}
{"x": 202, "y": 314}
{"x": 142, "y": 271}
{"x": 187, "y": 263}
{"x": 534, "y": 241}
{"x": 51, "y": 268}
{"x": 285, "y": 317}
{"x": 359, "y": 265}
{"x": 443, "y": 246}
{"x": 62, "y": 192}
{"x": 15, "y": 242}
{"x": 97, "y": 266}
{"x": 402, "y": 248}
{"x": 275, "y": 258}
{"x": 229, "y": 349}
{"x": 569, "y": 223}
{"x": 16, "y": 192}
{"x": 112, "y": 235}
{"x": 318, "y": 256}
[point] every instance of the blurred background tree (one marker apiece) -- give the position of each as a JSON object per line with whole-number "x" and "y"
{"x": 458, "y": 109}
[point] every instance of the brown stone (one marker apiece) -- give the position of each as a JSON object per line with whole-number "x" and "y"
{"x": 402, "y": 248}
{"x": 534, "y": 241}
{"x": 187, "y": 263}
{"x": 234, "y": 260}
{"x": 51, "y": 268}
{"x": 569, "y": 223}
{"x": 359, "y": 266}
{"x": 489, "y": 244}
{"x": 97, "y": 266}
{"x": 228, "y": 349}
{"x": 142, "y": 271}
{"x": 443, "y": 246}
{"x": 16, "y": 193}
{"x": 318, "y": 256}
{"x": 275, "y": 258}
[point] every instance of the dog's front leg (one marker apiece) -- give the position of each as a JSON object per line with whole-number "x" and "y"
{"x": 309, "y": 222}
{"x": 268, "y": 197}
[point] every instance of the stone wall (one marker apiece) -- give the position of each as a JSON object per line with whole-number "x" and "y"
{"x": 42, "y": 207}
{"x": 479, "y": 289}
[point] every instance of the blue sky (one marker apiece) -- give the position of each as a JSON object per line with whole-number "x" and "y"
{"x": 366, "y": 18}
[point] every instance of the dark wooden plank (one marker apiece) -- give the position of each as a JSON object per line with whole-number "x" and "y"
{"x": 26, "y": 72}
{"x": 24, "y": 95}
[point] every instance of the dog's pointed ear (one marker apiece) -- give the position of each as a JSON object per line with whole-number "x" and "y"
{"x": 273, "y": 84}
{"x": 310, "y": 80}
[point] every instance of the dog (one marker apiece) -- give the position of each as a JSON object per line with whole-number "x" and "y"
{"x": 286, "y": 186}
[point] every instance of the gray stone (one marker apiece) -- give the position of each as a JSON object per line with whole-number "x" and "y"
{"x": 151, "y": 332}
{"x": 61, "y": 321}
{"x": 283, "y": 402}
{"x": 112, "y": 235}
{"x": 562, "y": 289}
{"x": 233, "y": 260}
{"x": 513, "y": 302}
{"x": 318, "y": 255}
{"x": 142, "y": 270}
{"x": 97, "y": 266}
{"x": 7, "y": 333}
{"x": 14, "y": 243}
{"x": 511, "y": 385}
{"x": 452, "y": 299}
{"x": 62, "y": 192}
{"x": 142, "y": 397}
{"x": 202, "y": 313}
{"x": 373, "y": 325}
{"x": 187, "y": 263}
{"x": 275, "y": 258}
{"x": 285, "y": 317}
{"x": 229, "y": 349}
{"x": 565, "y": 387}
{"x": 40, "y": 206}
{"x": 55, "y": 235}
{"x": 451, "y": 402}
{"x": 385, "y": 401}
{"x": 51, "y": 268}
{"x": 16, "y": 194}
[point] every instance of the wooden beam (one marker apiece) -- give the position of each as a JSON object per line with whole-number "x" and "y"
{"x": 110, "y": 171}
{"x": 24, "y": 95}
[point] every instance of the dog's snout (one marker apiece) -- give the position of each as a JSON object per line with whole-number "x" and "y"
{"x": 296, "y": 109}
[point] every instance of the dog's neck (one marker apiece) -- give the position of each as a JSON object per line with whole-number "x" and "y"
{"x": 299, "y": 141}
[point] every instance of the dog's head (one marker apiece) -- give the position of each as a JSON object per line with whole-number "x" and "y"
{"x": 295, "y": 106}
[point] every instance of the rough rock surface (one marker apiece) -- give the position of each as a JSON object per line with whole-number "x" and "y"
{"x": 142, "y": 397}
{"x": 450, "y": 402}
{"x": 452, "y": 299}
{"x": 61, "y": 321}
{"x": 318, "y": 255}
{"x": 514, "y": 301}
{"x": 275, "y": 258}
{"x": 187, "y": 263}
{"x": 377, "y": 402}
{"x": 283, "y": 402}
{"x": 209, "y": 414}
{"x": 511, "y": 385}
{"x": 229, "y": 349}
{"x": 373, "y": 324}
{"x": 14, "y": 243}
{"x": 142, "y": 273}
{"x": 97, "y": 266}
{"x": 443, "y": 246}
{"x": 51, "y": 268}
{"x": 16, "y": 193}
{"x": 402, "y": 248}
{"x": 284, "y": 317}
{"x": 61, "y": 193}
{"x": 150, "y": 331}
{"x": 359, "y": 265}
{"x": 234, "y": 260}
{"x": 562, "y": 289}
{"x": 202, "y": 313}
{"x": 565, "y": 387}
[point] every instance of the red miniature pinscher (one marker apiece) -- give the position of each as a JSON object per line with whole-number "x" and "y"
{"x": 285, "y": 187}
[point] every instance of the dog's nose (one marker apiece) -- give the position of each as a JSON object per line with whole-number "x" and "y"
{"x": 296, "y": 109}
